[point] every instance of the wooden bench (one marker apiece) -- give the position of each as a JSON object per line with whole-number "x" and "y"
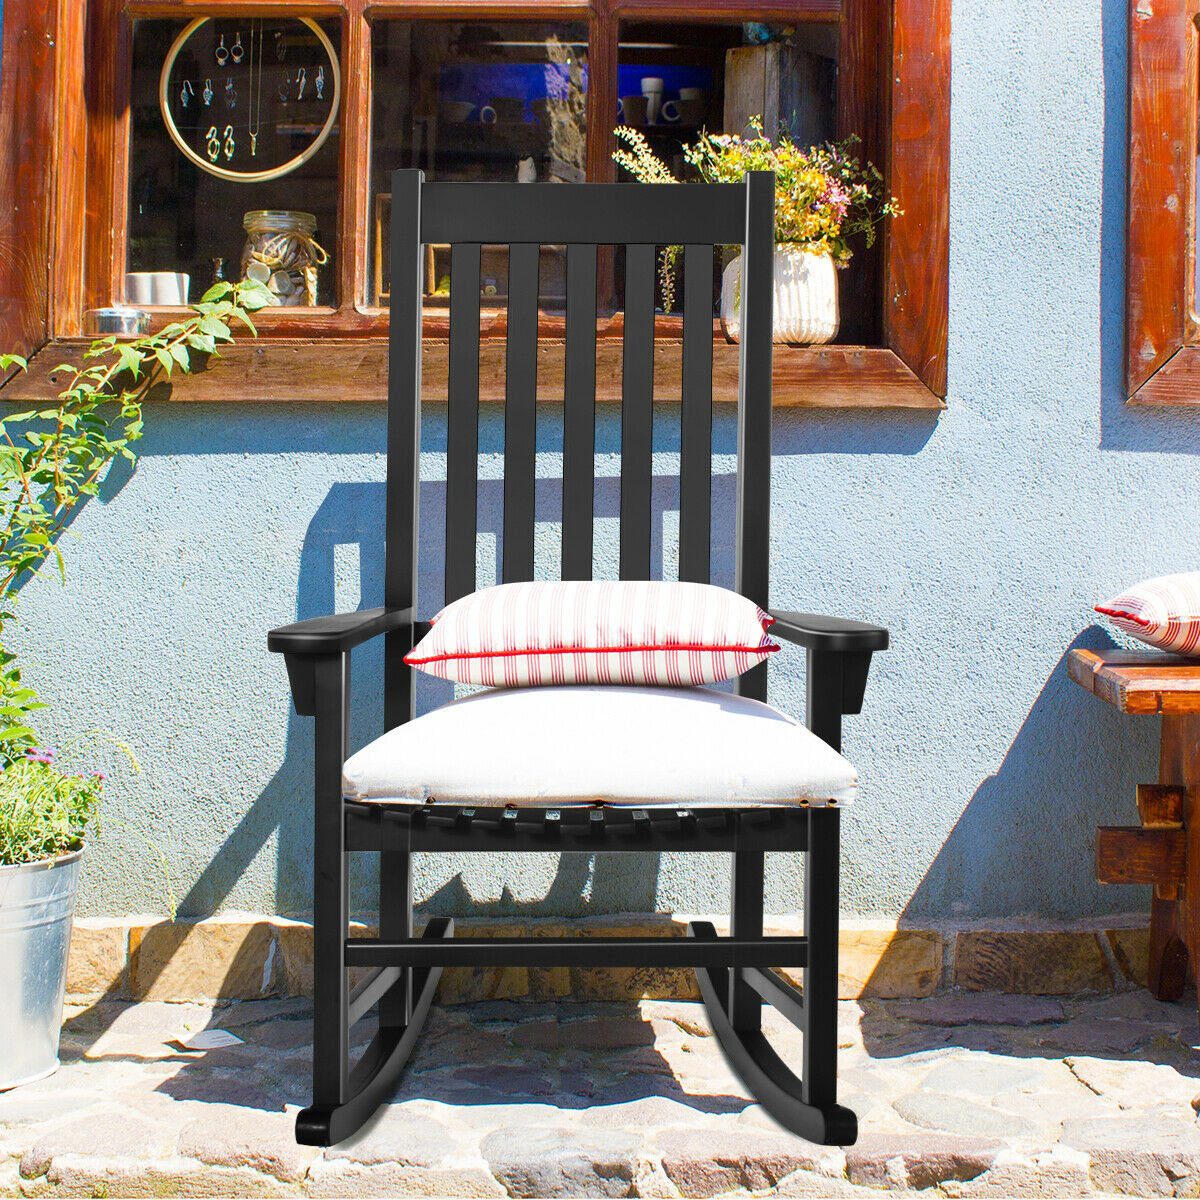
{"x": 1162, "y": 850}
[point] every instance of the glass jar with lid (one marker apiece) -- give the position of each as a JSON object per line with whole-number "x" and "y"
{"x": 282, "y": 252}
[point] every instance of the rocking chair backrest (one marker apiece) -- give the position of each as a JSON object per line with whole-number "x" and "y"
{"x": 581, "y": 216}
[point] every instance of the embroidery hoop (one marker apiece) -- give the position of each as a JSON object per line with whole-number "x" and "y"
{"x": 164, "y": 104}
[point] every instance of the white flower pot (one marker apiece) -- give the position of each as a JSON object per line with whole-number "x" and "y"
{"x": 806, "y": 296}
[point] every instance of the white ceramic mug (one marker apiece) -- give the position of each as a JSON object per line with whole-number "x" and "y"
{"x": 169, "y": 288}
{"x": 652, "y": 89}
{"x": 139, "y": 287}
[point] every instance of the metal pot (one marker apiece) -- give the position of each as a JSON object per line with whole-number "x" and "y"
{"x": 37, "y": 904}
{"x": 124, "y": 322}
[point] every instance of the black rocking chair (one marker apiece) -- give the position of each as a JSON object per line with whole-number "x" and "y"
{"x": 735, "y": 972}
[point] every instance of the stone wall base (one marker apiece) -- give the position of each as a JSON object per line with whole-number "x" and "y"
{"x": 246, "y": 956}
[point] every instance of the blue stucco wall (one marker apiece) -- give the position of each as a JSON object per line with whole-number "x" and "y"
{"x": 982, "y": 536}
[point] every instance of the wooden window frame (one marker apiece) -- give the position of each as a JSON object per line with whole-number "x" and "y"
{"x": 63, "y": 163}
{"x": 1162, "y": 333}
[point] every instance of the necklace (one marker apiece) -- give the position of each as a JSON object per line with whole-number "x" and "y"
{"x": 254, "y": 116}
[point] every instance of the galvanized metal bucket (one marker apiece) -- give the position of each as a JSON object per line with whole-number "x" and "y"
{"x": 37, "y": 904}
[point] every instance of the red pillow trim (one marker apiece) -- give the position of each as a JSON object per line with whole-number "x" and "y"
{"x": 763, "y": 648}
{"x": 1124, "y": 614}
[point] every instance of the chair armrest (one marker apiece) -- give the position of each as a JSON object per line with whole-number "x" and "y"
{"x": 307, "y": 645}
{"x": 816, "y": 632}
{"x": 839, "y": 659}
{"x": 336, "y": 633}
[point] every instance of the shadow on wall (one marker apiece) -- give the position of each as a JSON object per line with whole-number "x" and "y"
{"x": 1023, "y": 847}
{"x": 1024, "y": 841}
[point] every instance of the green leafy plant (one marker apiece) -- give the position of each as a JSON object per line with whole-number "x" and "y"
{"x": 50, "y": 460}
{"x": 824, "y": 196}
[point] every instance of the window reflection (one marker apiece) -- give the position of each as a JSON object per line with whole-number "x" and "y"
{"x": 477, "y": 100}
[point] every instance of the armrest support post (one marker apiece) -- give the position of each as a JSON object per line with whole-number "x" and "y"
{"x": 823, "y": 713}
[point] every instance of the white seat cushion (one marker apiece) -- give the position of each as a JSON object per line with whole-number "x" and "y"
{"x": 551, "y": 746}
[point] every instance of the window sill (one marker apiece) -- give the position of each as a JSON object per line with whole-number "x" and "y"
{"x": 340, "y": 370}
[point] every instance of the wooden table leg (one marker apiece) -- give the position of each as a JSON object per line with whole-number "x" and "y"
{"x": 1175, "y": 923}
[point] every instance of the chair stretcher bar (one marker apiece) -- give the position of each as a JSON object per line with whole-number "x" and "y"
{"x": 579, "y": 952}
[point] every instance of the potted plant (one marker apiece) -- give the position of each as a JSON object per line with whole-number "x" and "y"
{"x": 50, "y": 459}
{"x": 44, "y": 813}
{"x": 823, "y": 198}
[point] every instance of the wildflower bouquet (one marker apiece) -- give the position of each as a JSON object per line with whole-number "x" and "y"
{"x": 824, "y": 196}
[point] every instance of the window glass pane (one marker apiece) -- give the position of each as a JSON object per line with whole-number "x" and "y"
{"x": 246, "y": 96}
{"x": 675, "y": 79}
{"x": 475, "y": 100}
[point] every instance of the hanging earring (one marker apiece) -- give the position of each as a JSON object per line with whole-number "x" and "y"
{"x": 207, "y": 93}
{"x": 221, "y": 54}
{"x": 213, "y": 146}
{"x": 186, "y": 91}
{"x": 319, "y": 83}
{"x": 301, "y": 79}
{"x": 229, "y": 143}
{"x": 230, "y": 94}
{"x": 283, "y": 86}
{"x": 237, "y": 53}
{"x": 280, "y": 46}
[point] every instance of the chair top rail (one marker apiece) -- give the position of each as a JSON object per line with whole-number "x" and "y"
{"x": 598, "y": 214}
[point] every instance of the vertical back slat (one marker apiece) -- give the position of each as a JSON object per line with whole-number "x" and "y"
{"x": 403, "y": 435}
{"x": 579, "y": 414}
{"x": 520, "y": 411}
{"x": 754, "y": 406}
{"x": 462, "y": 421}
{"x": 695, "y": 417}
{"x": 637, "y": 411}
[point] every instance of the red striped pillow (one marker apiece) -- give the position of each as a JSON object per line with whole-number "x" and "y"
{"x": 1164, "y": 611}
{"x": 632, "y": 632}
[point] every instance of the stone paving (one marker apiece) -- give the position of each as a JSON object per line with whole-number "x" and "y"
{"x": 968, "y": 1094}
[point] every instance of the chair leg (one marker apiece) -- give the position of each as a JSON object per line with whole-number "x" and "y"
{"x": 331, "y": 890}
{"x": 746, "y": 920}
{"x": 395, "y": 924}
{"x": 821, "y": 871}
{"x": 376, "y": 1074}
{"x": 343, "y": 1099}
{"x": 806, "y": 1105}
